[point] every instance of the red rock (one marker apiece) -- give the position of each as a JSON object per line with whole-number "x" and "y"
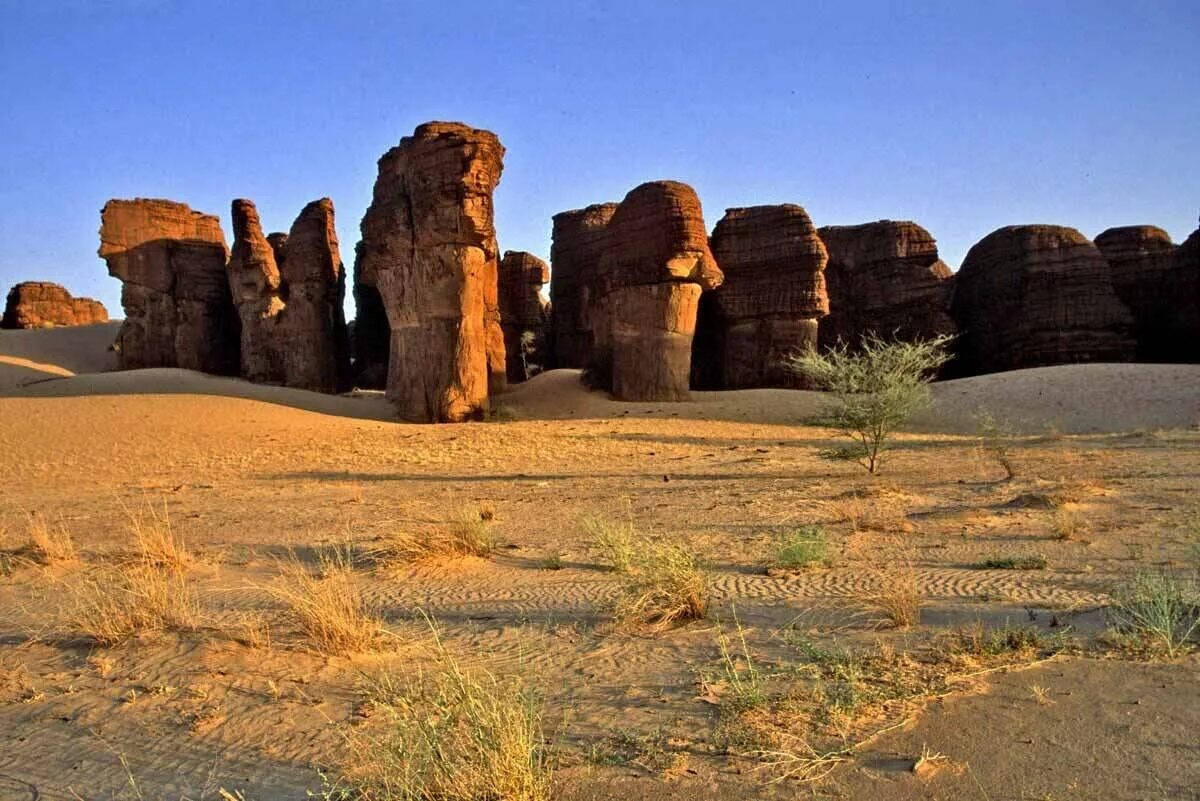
{"x": 523, "y": 313}
{"x": 41, "y": 304}
{"x": 770, "y": 301}
{"x": 639, "y": 300}
{"x": 289, "y": 296}
{"x": 885, "y": 279}
{"x": 1154, "y": 285}
{"x": 429, "y": 248}
{"x": 1037, "y": 295}
{"x": 178, "y": 307}
{"x": 578, "y": 243}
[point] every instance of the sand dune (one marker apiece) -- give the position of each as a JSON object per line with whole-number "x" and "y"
{"x": 1085, "y": 398}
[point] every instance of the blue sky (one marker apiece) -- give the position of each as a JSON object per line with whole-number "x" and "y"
{"x": 963, "y": 116}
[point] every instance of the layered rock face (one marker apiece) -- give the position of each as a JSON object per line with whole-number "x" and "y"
{"x": 523, "y": 313}
{"x": 1154, "y": 286}
{"x": 429, "y": 248}
{"x": 884, "y": 278}
{"x": 646, "y": 290}
{"x": 578, "y": 243}
{"x": 176, "y": 296}
{"x": 41, "y": 304}
{"x": 1037, "y": 295}
{"x": 770, "y": 301}
{"x": 289, "y": 290}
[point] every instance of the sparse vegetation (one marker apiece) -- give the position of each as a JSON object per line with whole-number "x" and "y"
{"x": 157, "y": 544}
{"x": 801, "y": 548}
{"x": 451, "y": 733}
{"x": 109, "y": 604}
{"x": 897, "y": 597}
{"x": 616, "y": 541}
{"x": 1035, "y": 561}
{"x": 1160, "y": 608}
{"x": 993, "y": 440}
{"x": 877, "y": 386}
{"x": 50, "y": 543}
{"x": 1069, "y": 523}
{"x": 327, "y": 606}
{"x": 468, "y": 535}
{"x": 666, "y": 584}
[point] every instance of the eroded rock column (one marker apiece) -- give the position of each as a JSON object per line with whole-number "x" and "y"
{"x": 523, "y": 313}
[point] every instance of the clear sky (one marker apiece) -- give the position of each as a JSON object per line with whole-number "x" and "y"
{"x": 961, "y": 115}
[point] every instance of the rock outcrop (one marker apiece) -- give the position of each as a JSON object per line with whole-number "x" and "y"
{"x": 1155, "y": 286}
{"x": 770, "y": 301}
{"x": 41, "y": 304}
{"x": 429, "y": 248}
{"x": 642, "y": 299}
{"x": 885, "y": 279}
{"x": 578, "y": 242}
{"x": 1037, "y": 295}
{"x": 289, "y": 291}
{"x": 178, "y": 307}
{"x": 370, "y": 334}
{"x": 523, "y": 313}
{"x": 1186, "y": 280}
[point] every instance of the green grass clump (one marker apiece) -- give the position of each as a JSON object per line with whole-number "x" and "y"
{"x": 1023, "y": 562}
{"x": 1159, "y": 607}
{"x": 804, "y": 547}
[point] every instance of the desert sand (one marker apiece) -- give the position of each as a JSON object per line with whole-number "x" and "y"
{"x": 250, "y": 475}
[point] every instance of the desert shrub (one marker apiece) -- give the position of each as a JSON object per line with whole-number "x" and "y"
{"x": 469, "y": 534}
{"x": 666, "y": 584}
{"x": 897, "y": 597}
{"x": 450, "y": 734}
{"x": 157, "y": 543}
{"x": 327, "y": 605}
{"x": 615, "y": 540}
{"x": 1160, "y": 607}
{"x": 1068, "y": 523}
{"x": 877, "y": 386}
{"x": 993, "y": 439}
{"x": 803, "y": 547}
{"x": 50, "y": 543}
{"x": 109, "y": 604}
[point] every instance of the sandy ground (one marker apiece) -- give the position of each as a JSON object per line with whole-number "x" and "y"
{"x": 250, "y": 474}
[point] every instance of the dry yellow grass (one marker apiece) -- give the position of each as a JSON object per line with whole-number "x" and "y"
{"x": 327, "y": 605}
{"x": 109, "y": 604}
{"x": 157, "y": 543}
{"x": 666, "y": 584}
{"x": 897, "y": 597}
{"x": 50, "y": 543}
{"x": 467, "y": 535}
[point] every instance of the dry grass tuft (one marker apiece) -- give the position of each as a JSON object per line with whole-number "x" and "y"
{"x": 1069, "y": 522}
{"x": 870, "y": 509}
{"x": 50, "y": 543}
{"x": 467, "y": 536}
{"x": 616, "y": 541}
{"x": 110, "y": 604}
{"x": 666, "y": 584}
{"x": 897, "y": 597}
{"x": 327, "y": 605}
{"x": 450, "y": 734}
{"x": 157, "y": 543}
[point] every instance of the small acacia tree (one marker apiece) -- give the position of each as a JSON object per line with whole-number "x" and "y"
{"x": 877, "y": 386}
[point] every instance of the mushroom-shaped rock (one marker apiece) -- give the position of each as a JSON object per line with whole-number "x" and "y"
{"x": 429, "y": 249}
{"x": 178, "y": 307}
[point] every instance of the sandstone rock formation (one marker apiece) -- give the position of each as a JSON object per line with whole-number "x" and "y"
{"x": 768, "y": 306}
{"x": 523, "y": 313}
{"x": 578, "y": 242}
{"x": 178, "y": 307}
{"x": 885, "y": 278}
{"x": 1155, "y": 286}
{"x": 41, "y": 304}
{"x": 1036, "y": 295}
{"x": 429, "y": 248}
{"x": 370, "y": 335}
{"x": 289, "y": 296}
{"x": 1186, "y": 280}
{"x": 641, "y": 297}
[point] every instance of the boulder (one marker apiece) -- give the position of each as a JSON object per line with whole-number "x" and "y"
{"x": 178, "y": 308}
{"x": 1037, "y": 295}
{"x": 429, "y": 248}
{"x": 289, "y": 297}
{"x": 1154, "y": 285}
{"x": 578, "y": 242}
{"x": 523, "y": 313}
{"x": 644, "y": 295}
{"x": 41, "y": 304}
{"x": 770, "y": 301}
{"x": 885, "y": 279}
